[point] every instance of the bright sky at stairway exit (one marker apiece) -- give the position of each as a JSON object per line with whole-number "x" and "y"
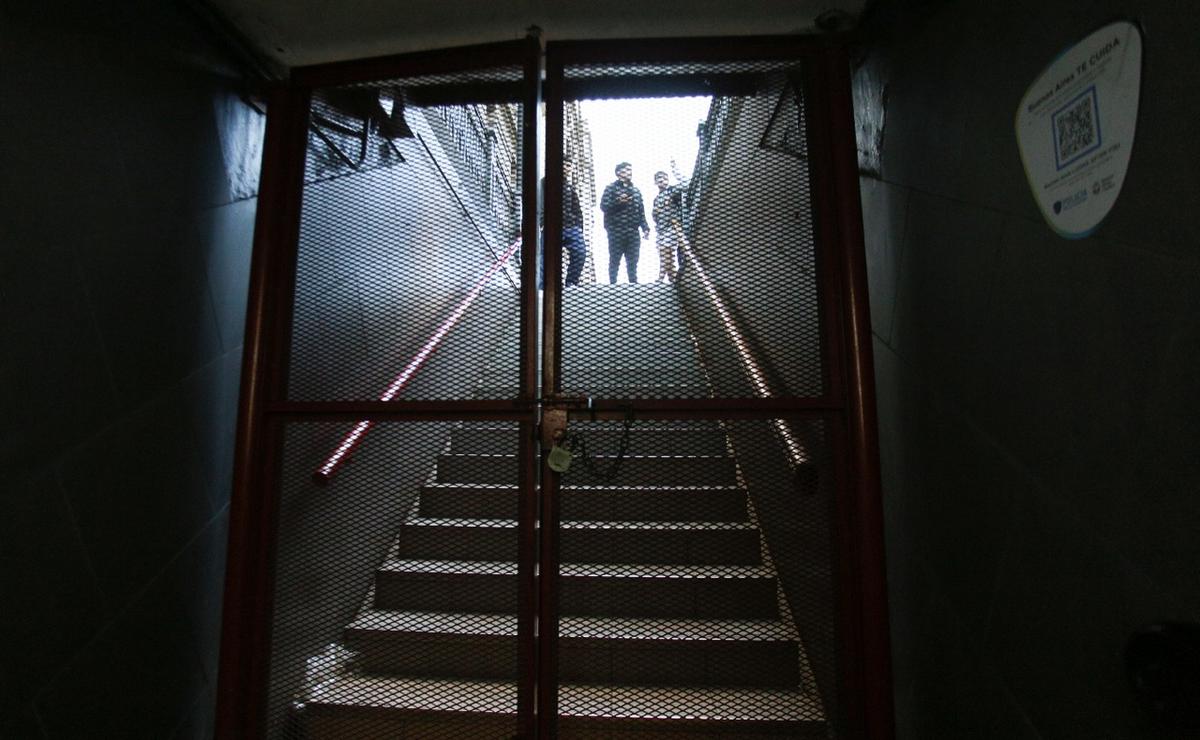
{"x": 648, "y": 133}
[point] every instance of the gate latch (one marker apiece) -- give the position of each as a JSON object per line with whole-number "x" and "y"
{"x": 554, "y": 427}
{"x": 554, "y": 439}
{"x": 554, "y": 417}
{"x": 554, "y": 434}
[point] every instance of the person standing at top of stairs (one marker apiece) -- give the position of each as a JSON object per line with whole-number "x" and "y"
{"x": 624, "y": 215}
{"x": 668, "y": 224}
{"x": 572, "y": 229}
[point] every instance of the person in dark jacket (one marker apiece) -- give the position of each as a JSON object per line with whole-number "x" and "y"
{"x": 624, "y": 215}
{"x": 572, "y": 230}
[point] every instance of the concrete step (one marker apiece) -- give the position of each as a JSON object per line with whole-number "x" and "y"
{"x": 614, "y": 350}
{"x": 663, "y": 652}
{"x": 580, "y": 348}
{"x": 435, "y": 644}
{"x": 632, "y": 386}
{"x": 618, "y": 307}
{"x": 645, "y": 438}
{"x": 700, "y": 543}
{"x": 675, "y": 424}
{"x": 586, "y": 328}
{"x": 688, "y": 591}
{"x": 658, "y": 470}
{"x": 585, "y": 355}
{"x": 664, "y": 374}
{"x": 597, "y": 357}
{"x": 671, "y": 652}
{"x": 589, "y": 356}
{"x": 357, "y": 706}
{"x": 729, "y": 713}
{"x": 383, "y": 706}
{"x": 586, "y": 589}
{"x": 606, "y": 503}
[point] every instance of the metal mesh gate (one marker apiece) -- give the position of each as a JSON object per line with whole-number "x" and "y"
{"x": 732, "y": 236}
{"x": 696, "y": 592}
{"x": 689, "y": 573}
{"x": 397, "y": 597}
{"x": 395, "y": 603}
{"x": 696, "y": 552}
{"x": 407, "y": 283}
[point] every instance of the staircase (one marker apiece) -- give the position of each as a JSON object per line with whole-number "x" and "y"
{"x": 672, "y": 618}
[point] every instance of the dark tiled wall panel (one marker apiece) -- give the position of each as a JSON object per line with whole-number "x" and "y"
{"x": 1038, "y": 412}
{"x": 125, "y": 241}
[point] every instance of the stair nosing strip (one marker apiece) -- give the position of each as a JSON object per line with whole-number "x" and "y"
{"x": 633, "y": 629}
{"x": 508, "y": 487}
{"x": 576, "y": 701}
{"x": 630, "y": 525}
{"x": 578, "y": 570}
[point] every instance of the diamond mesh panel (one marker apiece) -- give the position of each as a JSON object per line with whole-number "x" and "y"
{"x": 396, "y": 592}
{"x": 696, "y": 586}
{"x": 635, "y": 69}
{"x": 726, "y": 301}
{"x": 407, "y": 282}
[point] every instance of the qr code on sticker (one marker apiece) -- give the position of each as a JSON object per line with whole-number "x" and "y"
{"x": 1076, "y": 132}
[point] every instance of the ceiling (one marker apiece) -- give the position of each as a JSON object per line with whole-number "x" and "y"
{"x": 291, "y": 33}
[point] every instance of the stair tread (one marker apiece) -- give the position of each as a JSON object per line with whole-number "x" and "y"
{"x": 634, "y": 628}
{"x": 627, "y": 456}
{"x": 512, "y": 487}
{"x": 698, "y": 704}
{"x": 719, "y": 704}
{"x": 590, "y": 502}
{"x": 575, "y": 701}
{"x": 613, "y": 390}
{"x": 416, "y": 694}
{"x": 450, "y": 567}
{"x": 611, "y": 570}
{"x": 578, "y": 524}
{"x": 673, "y": 425}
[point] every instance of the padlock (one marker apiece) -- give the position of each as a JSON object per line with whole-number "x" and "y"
{"x": 559, "y": 459}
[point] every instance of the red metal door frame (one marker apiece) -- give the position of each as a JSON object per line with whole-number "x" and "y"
{"x": 864, "y": 602}
{"x": 848, "y": 403}
{"x": 264, "y": 408}
{"x": 245, "y": 638}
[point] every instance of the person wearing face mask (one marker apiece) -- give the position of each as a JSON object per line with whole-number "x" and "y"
{"x": 624, "y": 216}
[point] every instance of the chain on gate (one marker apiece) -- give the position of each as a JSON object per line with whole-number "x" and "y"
{"x": 573, "y": 445}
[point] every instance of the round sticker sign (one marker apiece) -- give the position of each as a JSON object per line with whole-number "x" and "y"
{"x": 1075, "y": 128}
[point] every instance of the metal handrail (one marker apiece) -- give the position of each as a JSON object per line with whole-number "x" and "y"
{"x": 797, "y": 452}
{"x": 706, "y": 161}
{"x": 354, "y": 437}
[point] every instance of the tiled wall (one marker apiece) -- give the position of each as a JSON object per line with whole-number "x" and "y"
{"x": 128, "y": 168}
{"x": 1038, "y": 397}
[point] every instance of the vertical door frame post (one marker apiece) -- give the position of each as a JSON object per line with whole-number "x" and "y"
{"x": 867, "y": 674}
{"x": 246, "y": 618}
{"x": 552, "y": 195}
{"x": 528, "y": 449}
{"x": 263, "y": 406}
